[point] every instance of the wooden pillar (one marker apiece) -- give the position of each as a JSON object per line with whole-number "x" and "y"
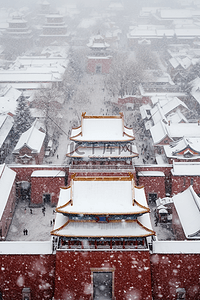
{"x": 111, "y": 244}
{"x": 136, "y": 244}
{"x": 95, "y": 244}
{"x": 69, "y": 246}
{"x": 123, "y": 244}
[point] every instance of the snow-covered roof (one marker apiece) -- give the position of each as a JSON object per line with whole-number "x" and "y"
{"x": 24, "y": 247}
{"x": 103, "y": 152}
{"x": 8, "y": 99}
{"x": 31, "y": 76}
{"x": 174, "y": 131}
{"x": 195, "y": 91}
{"x": 175, "y": 13}
{"x": 185, "y": 145}
{"x": 40, "y": 61}
{"x": 33, "y": 138}
{"x": 158, "y": 132}
{"x": 98, "y": 41}
{"x": 176, "y": 117}
{"x": 185, "y": 62}
{"x": 143, "y": 110}
{"x": 151, "y": 174}
{"x": 176, "y": 247}
{"x": 48, "y": 173}
{"x": 171, "y": 104}
{"x": 116, "y": 228}
{"x": 187, "y": 205}
{"x": 6, "y": 124}
{"x": 102, "y": 195}
{"x": 186, "y": 168}
{"x": 7, "y": 179}
{"x": 102, "y": 129}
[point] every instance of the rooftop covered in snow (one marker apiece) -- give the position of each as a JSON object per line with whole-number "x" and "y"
{"x": 187, "y": 205}
{"x": 7, "y": 179}
{"x": 33, "y": 138}
{"x": 186, "y": 169}
{"x": 102, "y": 195}
{"x": 102, "y": 129}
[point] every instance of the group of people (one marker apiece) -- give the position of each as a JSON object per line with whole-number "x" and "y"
{"x": 25, "y": 231}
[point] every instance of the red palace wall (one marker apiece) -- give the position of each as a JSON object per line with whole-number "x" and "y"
{"x": 34, "y": 271}
{"x": 134, "y": 100}
{"x": 170, "y": 271}
{"x": 159, "y": 185}
{"x": 153, "y": 185}
{"x": 181, "y": 183}
{"x": 24, "y": 172}
{"x": 104, "y": 63}
{"x": 131, "y": 273}
{"x": 46, "y": 185}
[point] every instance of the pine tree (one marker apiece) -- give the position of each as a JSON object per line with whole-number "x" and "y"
{"x": 23, "y": 119}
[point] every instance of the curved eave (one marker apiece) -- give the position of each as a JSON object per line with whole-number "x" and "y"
{"x": 148, "y": 232}
{"x": 60, "y": 210}
{"x": 74, "y": 138}
{"x": 102, "y": 157}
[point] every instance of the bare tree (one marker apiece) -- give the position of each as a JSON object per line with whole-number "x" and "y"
{"x": 74, "y": 72}
{"x": 49, "y": 101}
{"x": 123, "y": 73}
{"x": 146, "y": 58}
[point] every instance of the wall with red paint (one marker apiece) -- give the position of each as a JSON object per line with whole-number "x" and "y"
{"x": 46, "y": 185}
{"x": 159, "y": 185}
{"x": 131, "y": 276}
{"x": 170, "y": 271}
{"x": 104, "y": 63}
{"x": 181, "y": 183}
{"x": 153, "y": 184}
{"x": 34, "y": 271}
{"x": 24, "y": 172}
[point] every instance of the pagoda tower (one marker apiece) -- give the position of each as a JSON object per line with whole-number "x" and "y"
{"x": 18, "y": 36}
{"x": 54, "y": 29}
{"x": 102, "y": 144}
{"x": 101, "y": 221}
{"x": 99, "y": 59}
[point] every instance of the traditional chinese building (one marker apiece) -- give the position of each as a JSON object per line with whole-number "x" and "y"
{"x": 54, "y": 29}
{"x": 102, "y": 143}
{"x": 99, "y": 60}
{"x": 105, "y": 216}
{"x": 18, "y": 36}
{"x": 30, "y": 146}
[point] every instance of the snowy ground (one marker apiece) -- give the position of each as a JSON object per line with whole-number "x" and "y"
{"x": 37, "y": 224}
{"x": 94, "y": 100}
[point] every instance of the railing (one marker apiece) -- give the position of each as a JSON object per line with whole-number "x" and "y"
{"x": 95, "y": 244}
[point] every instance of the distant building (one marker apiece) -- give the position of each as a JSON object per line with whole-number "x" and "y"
{"x": 99, "y": 59}
{"x": 103, "y": 143}
{"x": 30, "y": 147}
{"x": 18, "y": 36}
{"x": 54, "y": 30}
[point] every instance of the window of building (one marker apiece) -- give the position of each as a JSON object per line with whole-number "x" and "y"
{"x": 102, "y": 285}
{"x": 191, "y": 181}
